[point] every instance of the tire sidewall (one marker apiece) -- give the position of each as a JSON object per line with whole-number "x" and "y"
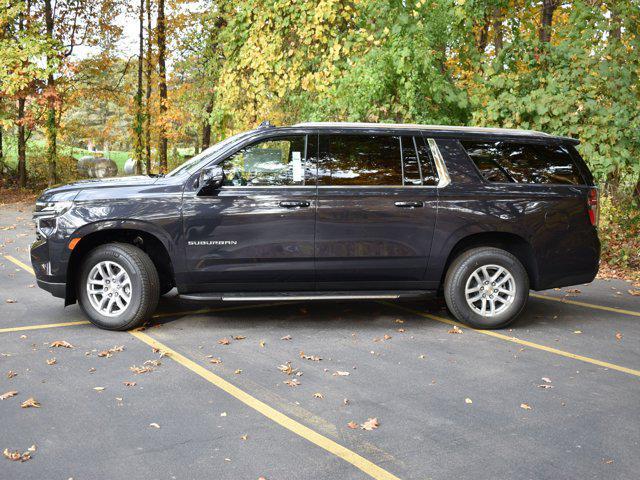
{"x": 465, "y": 266}
{"x": 114, "y": 254}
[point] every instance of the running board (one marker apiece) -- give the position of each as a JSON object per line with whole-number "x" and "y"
{"x": 301, "y": 296}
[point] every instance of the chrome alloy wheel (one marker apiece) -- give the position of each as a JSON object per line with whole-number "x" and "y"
{"x": 490, "y": 290}
{"x": 109, "y": 288}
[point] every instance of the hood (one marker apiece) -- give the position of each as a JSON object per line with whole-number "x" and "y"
{"x": 70, "y": 190}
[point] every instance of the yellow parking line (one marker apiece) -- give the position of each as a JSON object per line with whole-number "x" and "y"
{"x": 588, "y": 305}
{"x": 38, "y": 327}
{"x": 519, "y": 341}
{"x": 23, "y": 266}
{"x": 368, "y": 467}
{"x": 312, "y": 436}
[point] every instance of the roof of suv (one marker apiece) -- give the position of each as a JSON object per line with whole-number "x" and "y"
{"x": 439, "y": 129}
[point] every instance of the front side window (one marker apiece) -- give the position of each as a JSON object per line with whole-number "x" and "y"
{"x": 273, "y": 162}
{"x": 523, "y": 163}
{"x": 373, "y": 160}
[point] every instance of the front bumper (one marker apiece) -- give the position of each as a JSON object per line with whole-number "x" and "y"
{"x": 56, "y": 289}
{"x": 50, "y": 274}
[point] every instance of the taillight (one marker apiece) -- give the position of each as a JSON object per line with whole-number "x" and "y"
{"x": 592, "y": 206}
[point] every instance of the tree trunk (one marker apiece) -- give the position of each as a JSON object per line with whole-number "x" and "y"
{"x": 548, "y": 7}
{"x": 206, "y": 126}
{"x": 636, "y": 190}
{"x": 51, "y": 132}
{"x": 22, "y": 145}
{"x": 147, "y": 156}
{"x": 498, "y": 39}
{"x": 162, "y": 87}
{"x": 484, "y": 36}
{"x": 1, "y": 155}
{"x": 139, "y": 119}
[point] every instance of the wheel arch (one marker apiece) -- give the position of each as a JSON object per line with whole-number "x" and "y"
{"x": 510, "y": 242}
{"x": 154, "y": 243}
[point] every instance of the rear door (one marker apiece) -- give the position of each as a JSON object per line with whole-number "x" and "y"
{"x": 377, "y": 207}
{"x": 257, "y": 231}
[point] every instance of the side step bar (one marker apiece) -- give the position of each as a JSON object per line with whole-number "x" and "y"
{"x": 302, "y": 296}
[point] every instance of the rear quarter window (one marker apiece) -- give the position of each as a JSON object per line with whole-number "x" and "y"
{"x": 524, "y": 162}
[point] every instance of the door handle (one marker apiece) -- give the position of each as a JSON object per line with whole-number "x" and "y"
{"x": 409, "y": 204}
{"x": 294, "y": 204}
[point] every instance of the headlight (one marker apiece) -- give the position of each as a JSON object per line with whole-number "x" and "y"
{"x": 46, "y": 215}
{"x": 51, "y": 209}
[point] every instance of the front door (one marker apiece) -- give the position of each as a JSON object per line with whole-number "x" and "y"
{"x": 257, "y": 231}
{"x": 377, "y": 207}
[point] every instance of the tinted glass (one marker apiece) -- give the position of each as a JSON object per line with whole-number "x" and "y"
{"x": 273, "y": 162}
{"x": 523, "y": 163}
{"x": 427, "y": 163}
{"x": 359, "y": 160}
{"x": 410, "y": 164}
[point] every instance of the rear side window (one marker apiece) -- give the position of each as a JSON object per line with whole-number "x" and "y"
{"x": 375, "y": 160}
{"x": 523, "y": 163}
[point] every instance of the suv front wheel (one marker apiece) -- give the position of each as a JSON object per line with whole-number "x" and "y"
{"x": 118, "y": 286}
{"x": 486, "y": 287}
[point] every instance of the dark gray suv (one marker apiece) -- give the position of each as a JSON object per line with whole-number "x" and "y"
{"x": 329, "y": 211}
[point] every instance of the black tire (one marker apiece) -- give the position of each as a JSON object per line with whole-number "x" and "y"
{"x": 460, "y": 271}
{"x": 145, "y": 286}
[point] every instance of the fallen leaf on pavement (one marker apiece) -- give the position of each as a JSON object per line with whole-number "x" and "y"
{"x": 340, "y": 373}
{"x": 11, "y": 300}
{"x": 239, "y": 337}
{"x": 238, "y": 372}
{"x": 108, "y": 353}
{"x": 262, "y": 343}
{"x": 16, "y": 456}
{"x": 577, "y": 332}
{"x": 129, "y": 384}
{"x": 244, "y": 437}
{"x": 315, "y": 395}
{"x": 387, "y": 336}
{"x": 635, "y": 293}
{"x": 399, "y": 320}
{"x": 526, "y": 406}
{"x": 154, "y": 425}
{"x": 546, "y": 379}
{"x": 9, "y": 394}
{"x": 370, "y": 424}
{"x": 292, "y": 383}
{"x": 618, "y": 336}
{"x": 139, "y": 370}
{"x": 215, "y": 360}
{"x": 287, "y": 368}
{"x": 544, "y": 385}
{"x": 468, "y": 400}
{"x": 30, "y": 402}
{"x": 286, "y": 337}
{"x": 98, "y": 389}
{"x": 345, "y": 401}
{"x": 313, "y": 358}
{"x": 224, "y": 341}
{"x": 51, "y": 361}
{"x": 352, "y": 425}
{"x": 455, "y": 329}
{"x": 61, "y": 343}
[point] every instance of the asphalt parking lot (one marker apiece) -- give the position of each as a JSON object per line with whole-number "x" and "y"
{"x": 272, "y": 390}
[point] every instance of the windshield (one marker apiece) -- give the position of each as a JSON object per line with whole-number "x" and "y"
{"x": 192, "y": 165}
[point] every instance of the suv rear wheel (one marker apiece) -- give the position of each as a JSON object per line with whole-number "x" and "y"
{"x": 118, "y": 287}
{"x": 486, "y": 287}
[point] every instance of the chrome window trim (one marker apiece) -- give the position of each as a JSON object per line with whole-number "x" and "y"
{"x": 443, "y": 174}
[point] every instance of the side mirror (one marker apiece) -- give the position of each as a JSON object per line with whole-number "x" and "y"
{"x": 210, "y": 179}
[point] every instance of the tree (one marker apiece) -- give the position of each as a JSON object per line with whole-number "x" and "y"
{"x": 148, "y": 71}
{"x": 139, "y": 114}
{"x": 162, "y": 87}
